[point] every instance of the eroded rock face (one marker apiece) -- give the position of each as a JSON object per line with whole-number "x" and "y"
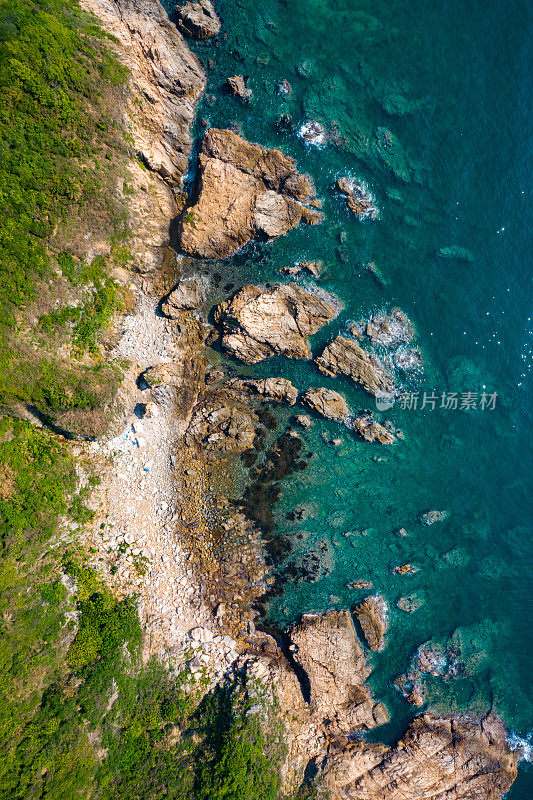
{"x": 328, "y": 650}
{"x": 187, "y": 294}
{"x": 218, "y": 425}
{"x": 328, "y": 403}
{"x": 439, "y": 758}
{"x": 258, "y": 323}
{"x": 167, "y": 79}
{"x": 372, "y": 616}
{"x": 347, "y": 357}
{"x": 358, "y": 199}
{"x": 198, "y": 19}
{"x": 278, "y": 390}
{"x": 372, "y": 431}
{"x": 243, "y": 191}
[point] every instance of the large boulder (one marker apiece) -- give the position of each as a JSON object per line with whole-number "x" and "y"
{"x": 328, "y": 403}
{"x": 198, "y": 19}
{"x": 327, "y": 649}
{"x": 189, "y": 293}
{"x": 372, "y": 615}
{"x": 344, "y": 356}
{"x": 372, "y": 431}
{"x": 258, "y": 323}
{"x": 242, "y": 191}
{"x": 222, "y": 426}
{"x": 278, "y": 390}
{"x": 439, "y": 758}
{"x": 358, "y": 198}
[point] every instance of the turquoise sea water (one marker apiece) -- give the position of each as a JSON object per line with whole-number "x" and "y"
{"x": 430, "y": 105}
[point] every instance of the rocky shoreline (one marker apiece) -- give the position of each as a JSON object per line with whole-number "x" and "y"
{"x": 165, "y": 528}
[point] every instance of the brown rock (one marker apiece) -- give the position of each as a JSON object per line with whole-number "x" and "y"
{"x": 345, "y": 356}
{"x": 166, "y": 78}
{"x": 187, "y": 294}
{"x": 371, "y": 430}
{"x": 439, "y": 758}
{"x": 198, "y": 19}
{"x": 329, "y": 652}
{"x": 360, "y": 584}
{"x": 359, "y": 200}
{"x": 279, "y": 390}
{"x": 258, "y": 323}
{"x": 328, "y": 403}
{"x": 303, "y": 420}
{"x": 218, "y": 425}
{"x": 242, "y": 191}
{"x": 405, "y": 569}
{"x": 373, "y": 618}
{"x": 237, "y": 86}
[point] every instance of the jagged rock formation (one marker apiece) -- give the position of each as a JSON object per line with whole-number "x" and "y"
{"x": 189, "y": 293}
{"x": 439, "y": 758}
{"x": 328, "y": 403}
{"x": 198, "y": 19}
{"x": 222, "y": 425}
{"x": 236, "y": 86}
{"x": 358, "y": 199}
{"x": 167, "y": 80}
{"x": 278, "y": 390}
{"x": 328, "y": 650}
{"x": 165, "y": 85}
{"x": 345, "y": 356}
{"x": 372, "y": 431}
{"x": 258, "y": 323}
{"x": 373, "y": 619}
{"x": 242, "y": 191}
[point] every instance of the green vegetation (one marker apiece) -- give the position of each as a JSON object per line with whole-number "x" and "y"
{"x": 61, "y": 149}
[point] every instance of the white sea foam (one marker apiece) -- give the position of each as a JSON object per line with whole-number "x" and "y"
{"x": 522, "y": 747}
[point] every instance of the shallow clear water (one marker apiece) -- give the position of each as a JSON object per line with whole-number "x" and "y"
{"x": 431, "y": 107}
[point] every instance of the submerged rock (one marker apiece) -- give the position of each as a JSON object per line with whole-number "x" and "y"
{"x": 390, "y": 329}
{"x": 242, "y": 191}
{"x": 410, "y": 603}
{"x": 303, "y": 420}
{"x": 372, "y": 615}
{"x": 430, "y": 517}
{"x": 312, "y": 133}
{"x": 328, "y": 403}
{"x": 279, "y": 390}
{"x": 347, "y": 357}
{"x": 372, "y": 431}
{"x": 358, "y": 199}
{"x": 198, "y": 19}
{"x": 284, "y": 87}
{"x": 236, "y": 85}
{"x": 258, "y": 323}
{"x": 456, "y": 252}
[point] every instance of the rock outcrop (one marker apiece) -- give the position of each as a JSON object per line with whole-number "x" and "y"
{"x": 327, "y": 648}
{"x": 345, "y": 356}
{"x": 198, "y": 19}
{"x": 242, "y": 191}
{"x": 328, "y": 403}
{"x": 390, "y": 329}
{"x": 372, "y": 616}
{"x": 358, "y": 199}
{"x": 236, "y": 85}
{"x": 188, "y": 294}
{"x": 439, "y": 758}
{"x": 219, "y": 425}
{"x": 372, "y": 431}
{"x": 258, "y": 323}
{"x": 167, "y": 80}
{"x": 278, "y": 390}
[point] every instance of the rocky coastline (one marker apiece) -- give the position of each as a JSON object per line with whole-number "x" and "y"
{"x": 165, "y": 528}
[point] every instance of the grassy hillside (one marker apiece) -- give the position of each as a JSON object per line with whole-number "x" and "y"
{"x": 62, "y": 150}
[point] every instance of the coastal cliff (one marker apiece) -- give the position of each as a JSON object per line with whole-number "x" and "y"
{"x": 200, "y": 421}
{"x": 173, "y": 536}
